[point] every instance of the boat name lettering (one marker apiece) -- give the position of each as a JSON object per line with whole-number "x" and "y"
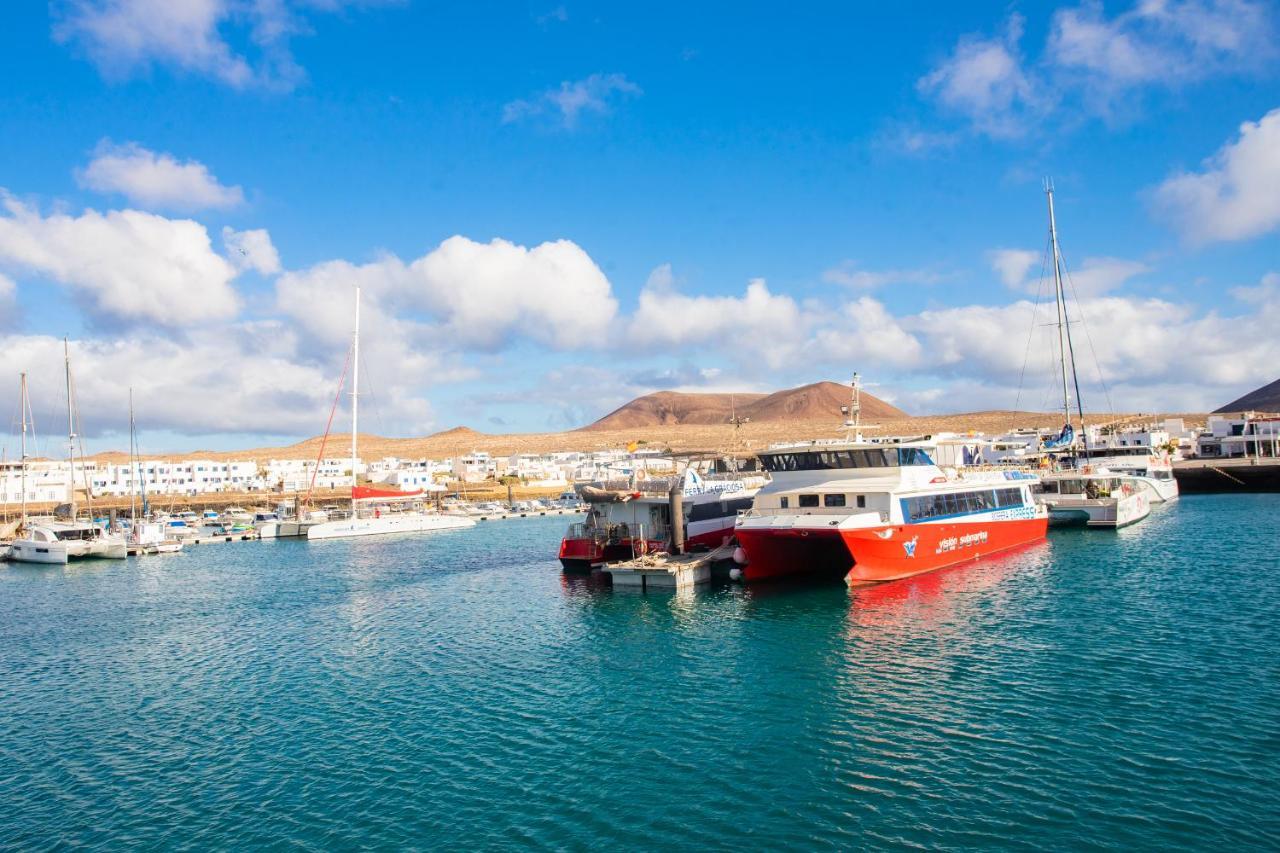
{"x": 968, "y": 540}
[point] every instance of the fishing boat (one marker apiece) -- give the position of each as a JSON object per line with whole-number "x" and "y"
{"x": 625, "y": 523}
{"x": 377, "y": 511}
{"x": 870, "y": 512}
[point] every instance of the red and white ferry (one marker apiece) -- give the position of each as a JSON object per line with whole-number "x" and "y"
{"x": 873, "y": 512}
{"x": 625, "y": 523}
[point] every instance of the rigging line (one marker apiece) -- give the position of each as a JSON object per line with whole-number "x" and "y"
{"x": 1097, "y": 363}
{"x": 1035, "y": 312}
{"x": 342, "y": 381}
{"x": 372, "y": 396}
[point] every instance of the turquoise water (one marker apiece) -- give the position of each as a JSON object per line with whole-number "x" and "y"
{"x": 1102, "y": 690}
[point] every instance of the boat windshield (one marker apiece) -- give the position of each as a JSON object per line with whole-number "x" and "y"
{"x": 823, "y": 460}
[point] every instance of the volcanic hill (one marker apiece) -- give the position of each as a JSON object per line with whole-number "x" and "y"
{"x": 1264, "y": 399}
{"x": 816, "y": 402}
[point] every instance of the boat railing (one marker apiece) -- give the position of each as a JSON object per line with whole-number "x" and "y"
{"x": 773, "y": 512}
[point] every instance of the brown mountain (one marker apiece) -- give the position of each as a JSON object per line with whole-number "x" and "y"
{"x": 820, "y": 401}
{"x": 1264, "y": 399}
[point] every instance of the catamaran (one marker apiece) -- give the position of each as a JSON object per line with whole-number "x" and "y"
{"x": 1081, "y": 492}
{"x": 872, "y": 511}
{"x": 374, "y": 510}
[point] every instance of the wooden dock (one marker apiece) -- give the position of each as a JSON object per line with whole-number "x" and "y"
{"x": 669, "y": 571}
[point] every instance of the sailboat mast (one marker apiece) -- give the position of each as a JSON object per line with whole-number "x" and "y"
{"x": 355, "y": 389}
{"x": 1065, "y": 346}
{"x": 1059, "y": 298}
{"x": 133, "y": 462}
{"x": 71, "y": 426}
{"x": 25, "y": 404}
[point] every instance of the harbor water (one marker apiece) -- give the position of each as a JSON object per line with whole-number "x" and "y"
{"x": 1104, "y": 689}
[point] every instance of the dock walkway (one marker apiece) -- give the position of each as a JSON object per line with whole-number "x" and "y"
{"x": 669, "y": 571}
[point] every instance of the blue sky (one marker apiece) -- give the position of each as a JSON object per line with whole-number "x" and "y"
{"x": 720, "y": 197}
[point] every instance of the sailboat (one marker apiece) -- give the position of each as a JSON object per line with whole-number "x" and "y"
{"x": 375, "y": 511}
{"x": 1081, "y": 493}
{"x": 57, "y": 540}
{"x": 145, "y": 537}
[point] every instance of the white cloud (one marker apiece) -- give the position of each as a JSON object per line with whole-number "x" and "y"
{"x": 1237, "y": 194}
{"x": 1093, "y": 277}
{"x": 155, "y": 180}
{"x": 128, "y": 265}
{"x": 1094, "y": 65}
{"x": 864, "y": 332}
{"x": 1158, "y": 41}
{"x": 666, "y": 317}
{"x": 127, "y": 37}
{"x": 489, "y": 292}
{"x": 1013, "y": 265}
{"x": 983, "y": 81}
{"x": 251, "y": 250}
{"x": 849, "y": 275}
{"x": 8, "y": 301}
{"x": 594, "y": 94}
{"x": 478, "y": 295}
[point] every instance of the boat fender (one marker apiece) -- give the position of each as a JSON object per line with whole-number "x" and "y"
{"x": 739, "y": 556}
{"x": 735, "y": 574}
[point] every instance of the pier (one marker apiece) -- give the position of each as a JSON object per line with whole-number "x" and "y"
{"x": 1210, "y": 476}
{"x": 669, "y": 571}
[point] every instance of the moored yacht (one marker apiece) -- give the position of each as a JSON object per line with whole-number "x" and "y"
{"x": 375, "y": 511}
{"x": 869, "y": 513}
{"x": 1093, "y": 498}
{"x": 57, "y": 542}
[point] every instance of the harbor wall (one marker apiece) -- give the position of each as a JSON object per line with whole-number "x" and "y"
{"x": 1215, "y": 476}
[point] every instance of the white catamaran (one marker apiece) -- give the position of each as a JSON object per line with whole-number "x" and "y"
{"x": 1083, "y": 493}
{"x": 374, "y": 510}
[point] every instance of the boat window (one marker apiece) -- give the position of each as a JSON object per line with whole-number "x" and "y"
{"x": 808, "y": 500}
{"x": 1071, "y": 487}
{"x": 913, "y": 456}
{"x": 833, "y": 500}
{"x": 862, "y": 500}
{"x": 823, "y": 460}
{"x": 784, "y": 503}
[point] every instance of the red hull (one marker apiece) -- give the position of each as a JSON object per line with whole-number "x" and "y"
{"x": 878, "y": 554}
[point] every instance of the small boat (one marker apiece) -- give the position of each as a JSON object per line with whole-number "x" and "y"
{"x": 1093, "y": 499}
{"x": 623, "y": 524}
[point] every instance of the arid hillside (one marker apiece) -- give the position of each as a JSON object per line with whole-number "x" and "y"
{"x": 818, "y": 401}
{"x": 754, "y": 435}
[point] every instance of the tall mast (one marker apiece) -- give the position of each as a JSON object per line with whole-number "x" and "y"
{"x": 1066, "y": 349}
{"x": 71, "y": 427}
{"x": 133, "y": 463}
{"x": 1059, "y": 298}
{"x": 25, "y": 404}
{"x": 355, "y": 388}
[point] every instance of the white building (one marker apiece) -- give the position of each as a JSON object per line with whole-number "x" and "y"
{"x": 1234, "y": 436}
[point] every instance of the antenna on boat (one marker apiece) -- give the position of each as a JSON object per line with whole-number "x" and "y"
{"x": 853, "y": 412}
{"x": 737, "y": 423}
